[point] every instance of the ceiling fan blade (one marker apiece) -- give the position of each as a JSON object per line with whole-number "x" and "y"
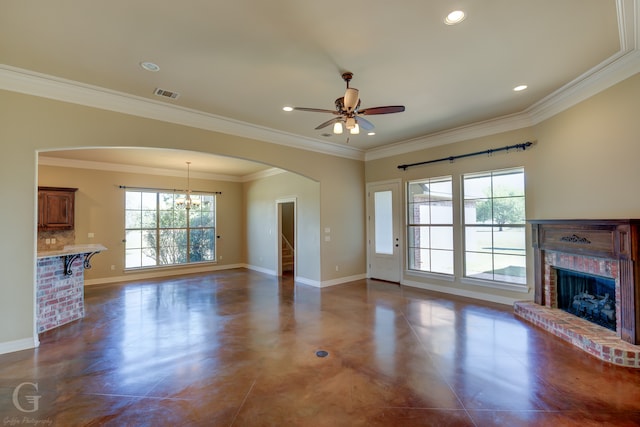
{"x": 329, "y": 122}
{"x": 383, "y": 110}
{"x": 315, "y": 110}
{"x": 364, "y": 123}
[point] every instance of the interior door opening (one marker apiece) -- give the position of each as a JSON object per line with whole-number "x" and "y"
{"x": 286, "y": 238}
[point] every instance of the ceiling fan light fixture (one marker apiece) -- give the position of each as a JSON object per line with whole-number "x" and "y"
{"x": 350, "y": 123}
{"x": 351, "y": 99}
{"x": 337, "y": 128}
{"x": 355, "y": 130}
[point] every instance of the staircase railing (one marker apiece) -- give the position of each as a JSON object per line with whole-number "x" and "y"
{"x": 286, "y": 243}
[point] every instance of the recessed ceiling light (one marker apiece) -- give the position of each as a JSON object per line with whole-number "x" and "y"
{"x": 287, "y": 108}
{"x": 150, "y": 66}
{"x": 454, "y": 17}
{"x": 519, "y": 88}
{"x": 371, "y": 133}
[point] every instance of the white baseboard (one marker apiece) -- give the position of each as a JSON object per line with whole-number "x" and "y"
{"x": 308, "y": 282}
{"x": 18, "y": 345}
{"x": 462, "y": 292}
{"x": 153, "y": 274}
{"x": 261, "y": 269}
{"x": 342, "y": 280}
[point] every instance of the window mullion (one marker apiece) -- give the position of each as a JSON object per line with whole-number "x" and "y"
{"x": 157, "y": 230}
{"x": 188, "y": 235}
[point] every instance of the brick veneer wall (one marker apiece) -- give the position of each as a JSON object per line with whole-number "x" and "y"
{"x": 60, "y": 298}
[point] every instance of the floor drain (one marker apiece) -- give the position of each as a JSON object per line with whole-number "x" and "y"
{"x": 322, "y": 353}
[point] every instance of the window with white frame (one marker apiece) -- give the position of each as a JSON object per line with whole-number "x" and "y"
{"x": 495, "y": 226}
{"x": 160, "y": 230}
{"x": 430, "y": 225}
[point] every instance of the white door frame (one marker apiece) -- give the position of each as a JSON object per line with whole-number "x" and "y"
{"x": 397, "y": 220}
{"x": 279, "y": 203}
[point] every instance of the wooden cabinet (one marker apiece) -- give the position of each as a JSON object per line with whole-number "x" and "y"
{"x": 56, "y": 208}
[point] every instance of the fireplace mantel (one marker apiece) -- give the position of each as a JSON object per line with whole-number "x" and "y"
{"x": 616, "y": 241}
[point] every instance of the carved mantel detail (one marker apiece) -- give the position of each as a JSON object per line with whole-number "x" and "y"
{"x": 574, "y": 238}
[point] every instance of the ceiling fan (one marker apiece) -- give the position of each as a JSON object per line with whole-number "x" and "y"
{"x": 349, "y": 113}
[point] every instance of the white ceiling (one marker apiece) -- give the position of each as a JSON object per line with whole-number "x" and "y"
{"x": 246, "y": 59}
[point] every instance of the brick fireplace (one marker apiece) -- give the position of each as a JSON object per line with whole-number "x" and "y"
{"x": 606, "y": 250}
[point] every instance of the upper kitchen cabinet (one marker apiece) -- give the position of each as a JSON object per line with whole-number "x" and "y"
{"x": 56, "y": 208}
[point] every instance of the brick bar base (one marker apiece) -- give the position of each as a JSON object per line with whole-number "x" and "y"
{"x": 594, "y": 339}
{"x": 60, "y": 298}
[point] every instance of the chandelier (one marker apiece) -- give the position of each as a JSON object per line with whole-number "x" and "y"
{"x": 188, "y": 201}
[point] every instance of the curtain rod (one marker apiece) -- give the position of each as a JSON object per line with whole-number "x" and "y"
{"x": 173, "y": 190}
{"x": 490, "y": 151}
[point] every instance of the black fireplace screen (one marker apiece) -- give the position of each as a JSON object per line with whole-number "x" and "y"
{"x": 591, "y": 297}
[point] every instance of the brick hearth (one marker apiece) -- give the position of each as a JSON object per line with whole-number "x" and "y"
{"x": 594, "y": 339}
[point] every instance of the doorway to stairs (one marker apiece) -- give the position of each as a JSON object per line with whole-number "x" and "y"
{"x": 286, "y": 237}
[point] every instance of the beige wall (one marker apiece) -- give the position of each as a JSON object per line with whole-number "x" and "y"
{"x": 30, "y": 124}
{"x": 100, "y": 206}
{"x": 587, "y": 162}
{"x": 261, "y": 198}
{"x": 583, "y": 165}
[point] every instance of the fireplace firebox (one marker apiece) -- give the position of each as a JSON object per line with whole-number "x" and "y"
{"x": 587, "y": 296}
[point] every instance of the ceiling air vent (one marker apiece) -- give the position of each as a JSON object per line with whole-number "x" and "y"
{"x": 166, "y": 93}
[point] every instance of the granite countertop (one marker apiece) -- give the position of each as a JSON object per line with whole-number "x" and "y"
{"x": 72, "y": 250}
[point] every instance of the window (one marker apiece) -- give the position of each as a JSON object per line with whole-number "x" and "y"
{"x": 384, "y": 222}
{"x": 159, "y": 231}
{"x": 430, "y": 225}
{"x": 494, "y": 226}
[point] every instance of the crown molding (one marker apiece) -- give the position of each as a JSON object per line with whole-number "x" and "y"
{"x": 45, "y": 86}
{"x": 263, "y": 174}
{"x": 619, "y": 68}
{"x": 114, "y": 167}
{"x": 117, "y": 167}
{"x": 462, "y": 133}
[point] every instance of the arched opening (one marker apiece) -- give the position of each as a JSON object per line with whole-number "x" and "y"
{"x": 245, "y": 219}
